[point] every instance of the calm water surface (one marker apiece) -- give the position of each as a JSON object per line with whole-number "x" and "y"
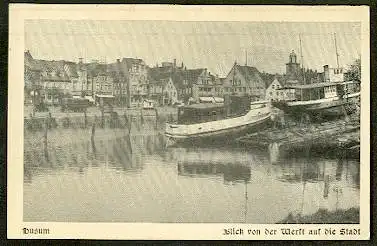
{"x": 119, "y": 179}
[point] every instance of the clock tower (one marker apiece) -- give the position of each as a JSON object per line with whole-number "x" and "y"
{"x": 292, "y": 68}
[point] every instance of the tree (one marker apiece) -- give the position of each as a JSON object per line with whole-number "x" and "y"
{"x": 354, "y": 71}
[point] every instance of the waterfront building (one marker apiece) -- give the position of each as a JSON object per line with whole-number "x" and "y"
{"x": 103, "y": 82}
{"x": 162, "y": 89}
{"x": 32, "y": 79}
{"x": 136, "y": 75}
{"x": 277, "y": 92}
{"x": 55, "y": 81}
{"x": 118, "y": 75}
{"x": 204, "y": 86}
{"x": 244, "y": 81}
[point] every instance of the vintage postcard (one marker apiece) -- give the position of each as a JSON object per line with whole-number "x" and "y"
{"x": 188, "y": 122}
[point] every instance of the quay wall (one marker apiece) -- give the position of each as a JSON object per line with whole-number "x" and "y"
{"x": 107, "y": 120}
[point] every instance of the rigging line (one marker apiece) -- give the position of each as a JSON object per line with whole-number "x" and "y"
{"x": 336, "y": 51}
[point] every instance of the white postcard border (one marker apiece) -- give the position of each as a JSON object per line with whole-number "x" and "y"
{"x": 20, "y": 12}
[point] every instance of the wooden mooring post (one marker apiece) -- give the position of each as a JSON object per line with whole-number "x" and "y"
{"x": 141, "y": 117}
{"x": 102, "y": 117}
{"x": 126, "y": 121}
{"x": 45, "y": 139}
{"x": 85, "y": 119}
{"x": 93, "y": 128}
{"x": 156, "y": 121}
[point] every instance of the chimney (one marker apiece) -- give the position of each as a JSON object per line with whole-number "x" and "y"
{"x": 174, "y": 63}
{"x": 326, "y": 74}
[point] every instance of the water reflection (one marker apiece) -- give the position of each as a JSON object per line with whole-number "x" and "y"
{"x": 135, "y": 179}
{"x": 230, "y": 172}
{"x": 123, "y": 153}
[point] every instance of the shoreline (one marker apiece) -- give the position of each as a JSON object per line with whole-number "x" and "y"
{"x": 323, "y": 216}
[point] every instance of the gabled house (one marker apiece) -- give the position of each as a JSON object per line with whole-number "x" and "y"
{"x": 276, "y": 90}
{"x": 244, "y": 81}
{"x": 32, "y": 79}
{"x": 136, "y": 74}
{"x": 195, "y": 83}
{"x": 54, "y": 80}
{"x": 161, "y": 86}
{"x": 118, "y": 75}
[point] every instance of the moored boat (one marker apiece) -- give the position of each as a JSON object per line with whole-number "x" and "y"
{"x": 324, "y": 99}
{"x": 215, "y": 121}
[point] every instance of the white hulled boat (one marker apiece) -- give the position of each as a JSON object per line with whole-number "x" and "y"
{"x": 329, "y": 98}
{"x": 210, "y": 121}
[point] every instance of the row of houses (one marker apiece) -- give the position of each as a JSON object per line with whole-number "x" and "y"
{"x": 129, "y": 81}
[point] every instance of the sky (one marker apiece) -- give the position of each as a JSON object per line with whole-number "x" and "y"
{"x": 211, "y": 44}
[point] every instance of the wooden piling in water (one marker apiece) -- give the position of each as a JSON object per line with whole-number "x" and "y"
{"x": 129, "y": 127}
{"x": 93, "y": 128}
{"x": 126, "y": 121}
{"x": 85, "y": 119}
{"x": 45, "y": 139}
{"x": 102, "y": 117}
{"x": 156, "y": 121}
{"x": 141, "y": 117}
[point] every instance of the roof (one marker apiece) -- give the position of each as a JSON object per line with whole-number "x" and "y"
{"x": 211, "y": 99}
{"x": 115, "y": 70}
{"x": 204, "y": 106}
{"x": 129, "y": 61}
{"x": 104, "y": 96}
{"x": 72, "y": 70}
{"x": 157, "y": 75}
{"x": 192, "y": 75}
{"x": 310, "y": 86}
{"x": 249, "y": 72}
{"x": 95, "y": 69}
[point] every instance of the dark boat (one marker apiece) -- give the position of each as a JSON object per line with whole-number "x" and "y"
{"x": 205, "y": 122}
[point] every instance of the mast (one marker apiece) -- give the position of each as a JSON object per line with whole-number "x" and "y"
{"x": 246, "y": 57}
{"x": 336, "y": 51}
{"x": 302, "y": 60}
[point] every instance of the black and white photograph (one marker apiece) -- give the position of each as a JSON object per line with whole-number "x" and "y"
{"x": 190, "y": 121}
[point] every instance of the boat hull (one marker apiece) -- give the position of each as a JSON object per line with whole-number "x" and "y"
{"x": 222, "y": 136}
{"x": 323, "y": 109}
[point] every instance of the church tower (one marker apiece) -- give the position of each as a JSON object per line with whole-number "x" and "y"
{"x": 293, "y": 68}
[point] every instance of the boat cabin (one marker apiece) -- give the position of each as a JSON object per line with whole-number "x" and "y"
{"x": 317, "y": 91}
{"x": 233, "y": 106}
{"x": 201, "y": 112}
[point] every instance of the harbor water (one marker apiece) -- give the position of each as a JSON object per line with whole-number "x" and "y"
{"x": 118, "y": 177}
